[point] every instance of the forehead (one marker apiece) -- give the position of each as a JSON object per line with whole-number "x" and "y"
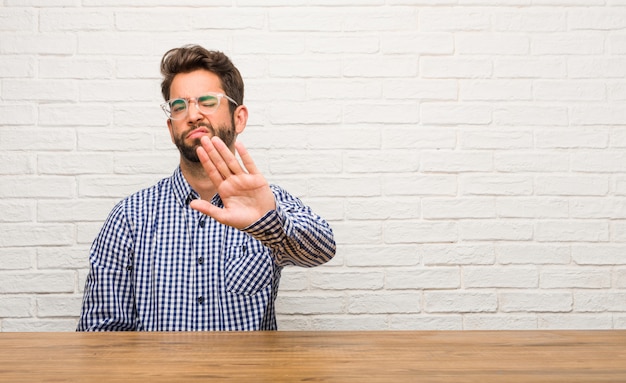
{"x": 195, "y": 83}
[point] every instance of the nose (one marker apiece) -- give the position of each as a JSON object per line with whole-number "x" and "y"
{"x": 193, "y": 113}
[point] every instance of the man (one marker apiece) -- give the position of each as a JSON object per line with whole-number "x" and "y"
{"x": 204, "y": 248}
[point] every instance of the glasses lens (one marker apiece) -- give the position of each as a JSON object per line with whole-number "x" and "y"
{"x": 208, "y": 103}
{"x": 178, "y": 108}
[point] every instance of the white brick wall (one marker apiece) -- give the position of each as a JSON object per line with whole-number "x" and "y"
{"x": 470, "y": 155}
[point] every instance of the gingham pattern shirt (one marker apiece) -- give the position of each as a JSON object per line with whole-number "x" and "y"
{"x": 159, "y": 265}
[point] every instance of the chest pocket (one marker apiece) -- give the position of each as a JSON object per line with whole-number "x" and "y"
{"x": 249, "y": 268}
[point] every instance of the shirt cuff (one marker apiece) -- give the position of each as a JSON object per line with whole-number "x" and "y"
{"x": 269, "y": 228}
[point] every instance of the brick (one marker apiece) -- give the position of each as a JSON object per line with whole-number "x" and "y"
{"x": 524, "y": 67}
{"x": 501, "y": 90}
{"x": 381, "y": 113}
{"x": 37, "y": 282}
{"x": 16, "y": 163}
{"x": 499, "y": 322}
{"x": 32, "y": 234}
{"x": 347, "y": 280}
{"x": 532, "y": 253}
{"x": 598, "y": 208}
{"x": 383, "y": 303}
{"x": 459, "y": 302}
{"x": 358, "y": 233}
{"x": 532, "y": 207}
{"x": 520, "y": 20}
{"x": 50, "y": 306}
{"x": 495, "y": 139}
{"x": 458, "y": 254}
{"x": 39, "y": 325}
{"x": 309, "y": 162}
{"x": 412, "y": 138}
{"x": 446, "y": 68}
{"x": 17, "y": 19}
{"x": 490, "y": 44}
{"x": 12, "y": 306}
{"x": 499, "y": 185}
{"x": 569, "y": 278}
{"x": 423, "y": 278}
{"x": 17, "y": 258}
{"x": 380, "y": 209}
{"x": 56, "y": 139}
{"x": 455, "y": 113}
{"x": 17, "y": 211}
{"x": 67, "y": 19}
{"x": 37, "y": 187}
{"x": 599, "y": 254}
{"x": 456, "y": 208}
{"x": 529, "y": 301}
{"x": 74, "y": 163}
{"x": 605, "y": 161}
{"x": 427, "y": 322}
{"x": 31, "y": 43}
{"x": 502, "y": 277}
{"x": 17, "y": 66}
{"x": 531, "y": 115}
{"x": 571, "y": 231}
{"x": 396, "y": 232}
{"x": 456, "y": 161}
{"x": 497, "y": 230}
{"x": 61, "y": 257}
{"x": 568, "y": 185}
{"x": 405, "y": 161}
{"x": 575, "y": 322}
{"x": 381, "y": 256}
{"x": 572, "y": 138}
{"x": 419, "y": 185}
{"x": 287, "y": 303}
{"x": 435, "y": 20}
{"x": 522, "y": 162}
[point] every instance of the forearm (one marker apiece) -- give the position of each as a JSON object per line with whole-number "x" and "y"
{"x": 296, "y": 235}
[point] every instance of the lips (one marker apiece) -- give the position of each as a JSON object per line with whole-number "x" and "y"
{"x": 197, "y": 133}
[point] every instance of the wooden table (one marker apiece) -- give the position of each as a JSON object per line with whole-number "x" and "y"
{"x": 426, "y": 356}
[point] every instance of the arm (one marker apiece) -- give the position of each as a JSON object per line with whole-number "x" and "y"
{"x": 295, "y": 234}
{"x": 281, "y": 222}
{"x": 108, "y": 301}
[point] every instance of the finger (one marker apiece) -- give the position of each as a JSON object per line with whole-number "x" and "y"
{"x": 211, "y": 170}
{"x": 246, "y": 158}
{"x": 210, "y": 210}
{"x": 227, "y": 162}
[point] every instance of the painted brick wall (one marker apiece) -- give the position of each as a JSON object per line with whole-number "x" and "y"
{"x": 470, "y": 154}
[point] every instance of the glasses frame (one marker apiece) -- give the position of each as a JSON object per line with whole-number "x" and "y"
{"x": 166, "y": 106}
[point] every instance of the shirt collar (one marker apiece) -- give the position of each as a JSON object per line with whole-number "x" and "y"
{"x": 184, "y": 193}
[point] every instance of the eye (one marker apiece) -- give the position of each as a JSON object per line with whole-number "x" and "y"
{"x": 178, "y": 105}
{"x": 208, "y": 101}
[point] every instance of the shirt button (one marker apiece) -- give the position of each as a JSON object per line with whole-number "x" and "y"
{"x": 200, "y": 300}
{"x": 202, "y": 223}
{"x": 200, "y": 260}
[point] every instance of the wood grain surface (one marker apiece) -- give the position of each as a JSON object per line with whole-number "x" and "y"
{"x": 359, "y": 356}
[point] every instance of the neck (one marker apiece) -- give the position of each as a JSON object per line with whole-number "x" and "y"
{"x": 198, "y": 180}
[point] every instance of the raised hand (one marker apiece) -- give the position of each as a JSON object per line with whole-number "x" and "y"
{"x": 243, "y": 189}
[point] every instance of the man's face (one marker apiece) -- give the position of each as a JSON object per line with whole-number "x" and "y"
{"x": 186, "y": 132}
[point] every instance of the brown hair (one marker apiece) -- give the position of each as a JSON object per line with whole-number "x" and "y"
{"x": 193, "y": 57}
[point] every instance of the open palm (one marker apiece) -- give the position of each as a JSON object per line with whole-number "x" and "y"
{"x": 245, "y": 193}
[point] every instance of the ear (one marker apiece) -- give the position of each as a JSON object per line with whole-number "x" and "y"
{"x": 171, "y": 129}
{"x": 241, "y": 118}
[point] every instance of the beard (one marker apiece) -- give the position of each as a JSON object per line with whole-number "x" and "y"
{"x": 188, "y": 150}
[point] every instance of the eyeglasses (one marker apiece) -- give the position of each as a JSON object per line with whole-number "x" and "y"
{"x": 178, "y": 108}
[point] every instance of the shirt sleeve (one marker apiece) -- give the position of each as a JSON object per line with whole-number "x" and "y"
{"x": 294, "y": 233}
{"x": 108, "y": 303}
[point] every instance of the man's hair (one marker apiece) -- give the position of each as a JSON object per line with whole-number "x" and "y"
{"x": 189, "y": 58}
